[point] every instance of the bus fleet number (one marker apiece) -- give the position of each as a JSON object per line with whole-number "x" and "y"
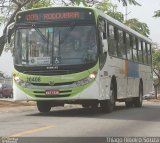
{"x": 33, "y": 79}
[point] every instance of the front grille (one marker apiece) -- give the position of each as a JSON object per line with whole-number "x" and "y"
{"x": 50, "y": 72}
{"x": 52, "y": 96}
{"x": 56, "y": 84}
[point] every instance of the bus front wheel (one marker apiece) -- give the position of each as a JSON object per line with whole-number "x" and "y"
{"x": 44, "y": 106}
{"x": 138, "y": 100}
{"x": 109, "y": 105}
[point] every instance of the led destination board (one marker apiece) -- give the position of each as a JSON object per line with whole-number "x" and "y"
{"x": 54, "y": 15}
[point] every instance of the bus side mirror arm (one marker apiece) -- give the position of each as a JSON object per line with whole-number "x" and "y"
{"x": 10, "y": 31}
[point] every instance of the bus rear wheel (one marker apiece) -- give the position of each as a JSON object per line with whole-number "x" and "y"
{"x": 85, "y": 105}
{"x": 44, "y": 106}
{"x": 129, "y": 104}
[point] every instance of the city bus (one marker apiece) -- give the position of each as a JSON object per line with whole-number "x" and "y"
{"x": 79, "y": 55}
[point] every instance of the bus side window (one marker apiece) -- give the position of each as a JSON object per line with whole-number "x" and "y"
{"x": 112, "y": 43}
{"x": 145, "y": 55}
{"x": 140, "y": 52}
{"x": 121, "y": 49}
{"x": 102, "y": 27}
{"x": 129, "y": 46}
{"x": 149, "y": 54}
{"x": 102, "y": 42}
{"x": 18, "y": 52}
{"x": 135, "y": 46}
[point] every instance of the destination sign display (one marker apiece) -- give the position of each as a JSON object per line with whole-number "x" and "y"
{"x": 54, "y": 15}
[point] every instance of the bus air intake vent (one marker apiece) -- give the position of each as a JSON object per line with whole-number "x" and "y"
{"x": 56, "y": 84}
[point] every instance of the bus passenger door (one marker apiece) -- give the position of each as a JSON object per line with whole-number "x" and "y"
{"x": 103, "y": 47}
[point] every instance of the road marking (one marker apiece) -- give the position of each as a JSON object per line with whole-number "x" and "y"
{"x": 32, "y": 131}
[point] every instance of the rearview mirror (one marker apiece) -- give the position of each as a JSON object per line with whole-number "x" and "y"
{"x": 10, "y": 31}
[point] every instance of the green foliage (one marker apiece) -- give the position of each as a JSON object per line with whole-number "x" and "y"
{"x": 105, "y": 5}
{"x": 1, "y": 74}
{"x": 111, "y": 10}
{"x": 138, "y": 26}
{"x": 126, "y": 2}
{"x": 116, "y": 15}
{"x": 39, "y": 4}
{"x": 156, "y": 60}
{"x": 157, "y": 13}
{"x": 156, "y": 65}
{"x": 78, "y": 2}
{"x": 92, "y": 2}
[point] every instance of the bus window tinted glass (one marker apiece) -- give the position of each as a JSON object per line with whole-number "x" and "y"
{"x": 121, "y": 44}
{"x": 140, "y": 52}
{"x": 129, "y": 46}
{"x": 112, "y": 40}
{"x": 135, "y": 54}
{"x": 145, "y": 55}
{"x": 149, "y": 54}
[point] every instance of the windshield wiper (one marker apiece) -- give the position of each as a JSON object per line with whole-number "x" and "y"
{"x": 41, "y": 34}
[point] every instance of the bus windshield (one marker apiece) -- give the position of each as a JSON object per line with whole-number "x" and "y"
{"x": 47, "y": 46}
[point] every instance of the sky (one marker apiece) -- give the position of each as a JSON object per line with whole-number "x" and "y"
{"x": 143, "y": 13}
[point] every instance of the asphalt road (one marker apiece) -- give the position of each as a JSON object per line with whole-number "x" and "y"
{"x": 74, "y": 121}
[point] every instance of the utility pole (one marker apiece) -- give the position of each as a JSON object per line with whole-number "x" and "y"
{"x": 126, "y": 13}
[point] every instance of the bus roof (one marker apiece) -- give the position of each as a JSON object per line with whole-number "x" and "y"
{"x": 97, "y": 13}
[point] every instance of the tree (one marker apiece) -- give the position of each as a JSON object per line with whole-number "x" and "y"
{"x": 105, "y": 5}
{"x": 38, "y": 4}
{"x": 2, "y": 74}
{"x": 93, "y": 2}
{"x": 126, "y": 2}
{"x": 111, "y": 10}
{"x": 116, "y": 15}
{"x": 157, "y": 13}
{"x": 156, "y": 68}
{"x": 138, "y": 26}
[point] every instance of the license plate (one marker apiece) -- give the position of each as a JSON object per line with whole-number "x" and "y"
{"x": 52, "y": 92}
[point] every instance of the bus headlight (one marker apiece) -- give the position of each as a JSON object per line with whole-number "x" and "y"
{"x": 92, "y": 75}
{"x": 87, "y": 80}
{"x": 21, "y": 82}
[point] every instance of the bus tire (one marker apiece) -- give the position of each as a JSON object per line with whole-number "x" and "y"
{"x": 85, "y": 105}
{"x": 109, "y": 105}
{"x": 129, "y": 104}
{"x": 11, "y": 96}
{"x": 94, "y": 106}
{"x": 139, "y": 100}
{"x": 44, "y": 106}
